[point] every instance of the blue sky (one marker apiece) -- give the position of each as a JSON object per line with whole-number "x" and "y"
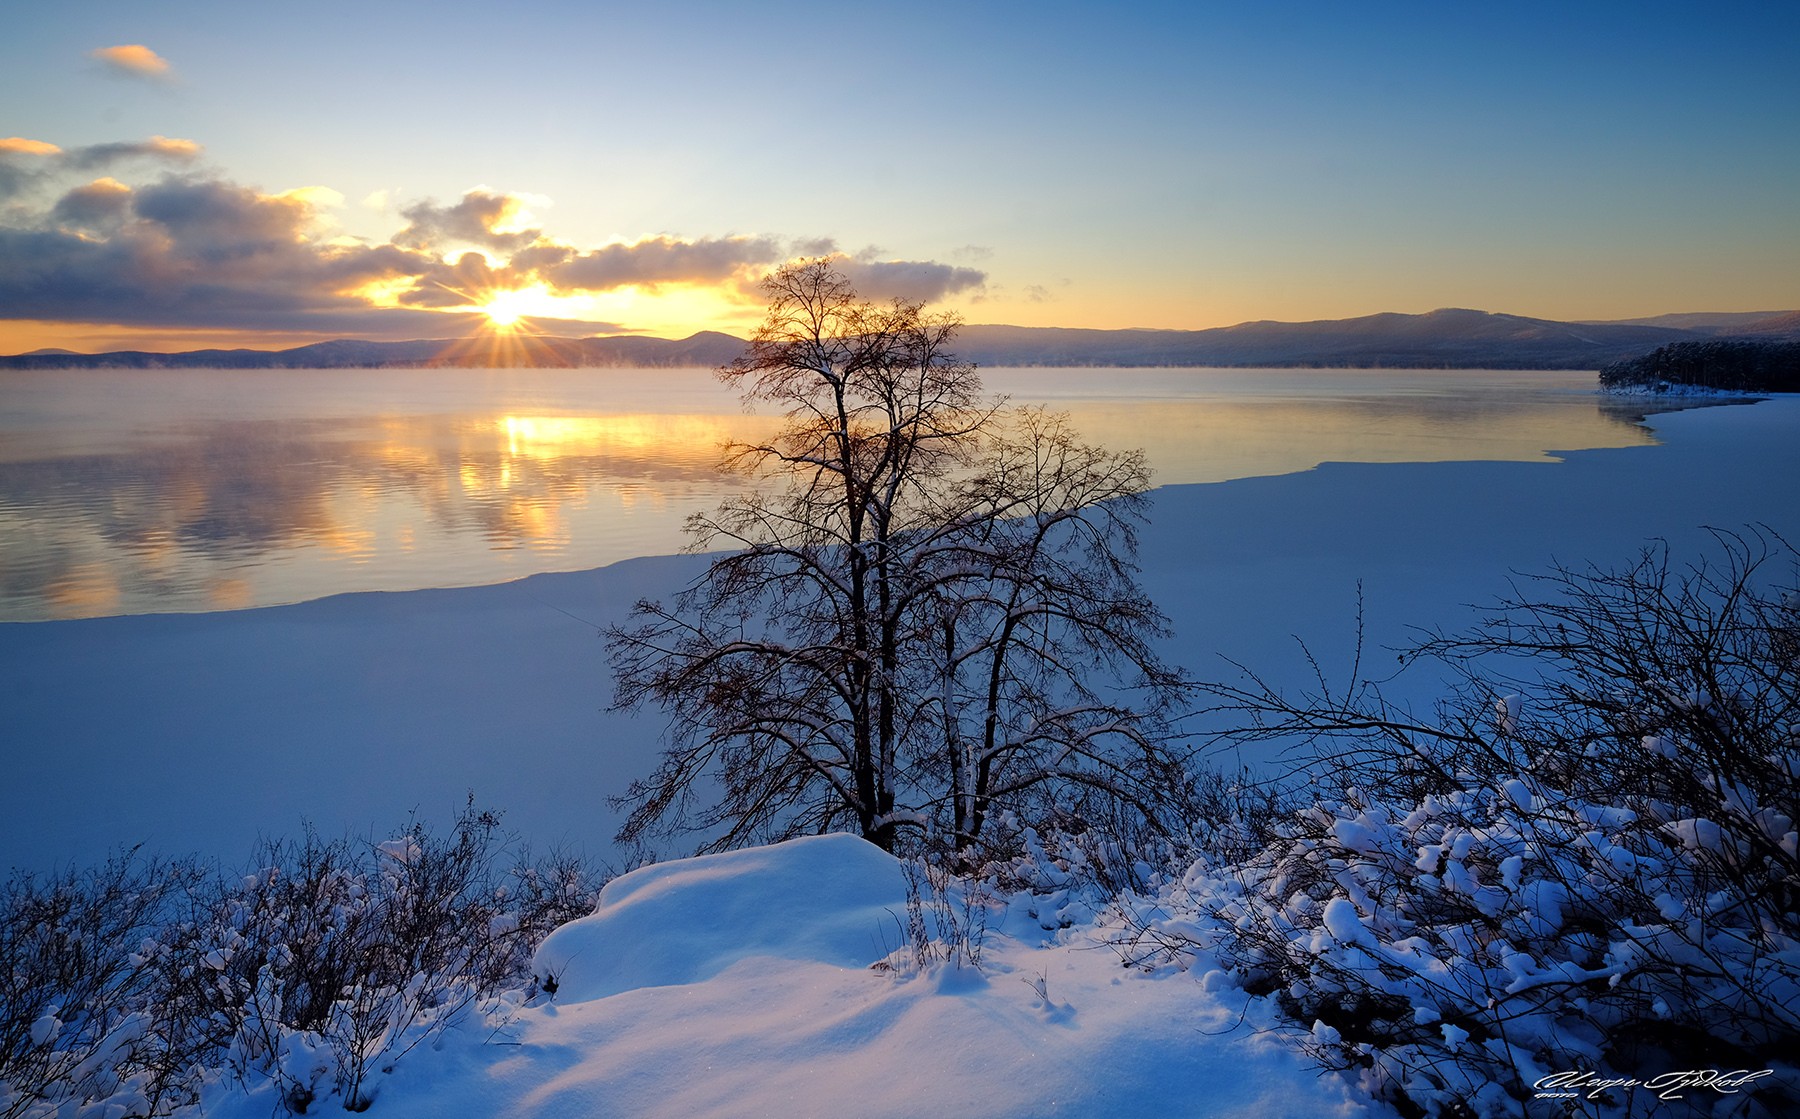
{"x": 1050, "y": 164}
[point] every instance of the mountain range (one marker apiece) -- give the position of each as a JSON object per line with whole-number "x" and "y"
{"x": 1450, "y": 338}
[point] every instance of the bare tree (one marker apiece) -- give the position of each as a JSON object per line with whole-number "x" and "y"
{"x": 930, "y": 611}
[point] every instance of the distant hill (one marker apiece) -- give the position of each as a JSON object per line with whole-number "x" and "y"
{"x": 1449, "y": 338}
{"x": 703, "y": 349}
{"x": 1714, "y": 322}
{"x": 1445, "y": 339}
{"x": 1785, "y": 325}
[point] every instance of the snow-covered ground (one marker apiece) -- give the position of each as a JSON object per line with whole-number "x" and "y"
{"x": 742, "y": 984}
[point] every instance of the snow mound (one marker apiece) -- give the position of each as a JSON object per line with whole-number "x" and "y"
{"x": 828, "y": 899}
{"x": 736, "y": 986}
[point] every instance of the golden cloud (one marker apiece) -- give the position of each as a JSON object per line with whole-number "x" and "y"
{"x": 134, "y": 59}
{"x": 171, "y": 147}
{"x": 19, "y": 145}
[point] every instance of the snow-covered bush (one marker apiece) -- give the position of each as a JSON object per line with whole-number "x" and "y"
{"x": 130, "y": 988}
{"x": 1072, "y": 868}
{"x": 76, "y": 1024}
{"x": 334, "y": 959}
{"x": 1586, "y": 863}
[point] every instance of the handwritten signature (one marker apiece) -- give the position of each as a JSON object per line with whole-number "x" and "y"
{"x": 1668, "y": 1086}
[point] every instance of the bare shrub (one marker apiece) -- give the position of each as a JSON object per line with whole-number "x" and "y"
{"x": 1584, "y": 863}
{"x": 314, "y": 971}
{"x": 946, "y": 917}
{"x": 78, "y": 1022}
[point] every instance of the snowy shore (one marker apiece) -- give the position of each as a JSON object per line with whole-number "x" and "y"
{"x": 200, "y": 732}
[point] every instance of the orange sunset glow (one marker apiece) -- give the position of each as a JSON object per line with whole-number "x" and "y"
{"x": 1146, "y": 168}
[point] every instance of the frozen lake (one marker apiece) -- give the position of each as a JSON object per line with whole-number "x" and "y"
{"x": 152, "y": 491}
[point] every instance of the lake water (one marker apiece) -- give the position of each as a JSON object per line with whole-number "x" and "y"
{"x": 131, "y": 491}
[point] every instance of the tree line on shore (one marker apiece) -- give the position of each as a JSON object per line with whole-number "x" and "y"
{"x": 1725, "y": 365}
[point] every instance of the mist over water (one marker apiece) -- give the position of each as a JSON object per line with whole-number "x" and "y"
{"x": 133, "y": 491}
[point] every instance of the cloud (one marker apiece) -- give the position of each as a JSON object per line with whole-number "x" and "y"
{"x": 191, "y": 253}
{"x": 19, "y": 145}
{"x": 197, "y": 251}
{"x": 156, "y": 147}
{"x": 134, "y": 60}
{"x": 318, "y": 197}
{"x": 483, "y": 219}
{"x": 99, "y": 204}
{"x": 814, "y": 247}
{"x": 458, "y": 284}
{"x": 916, "y": 281}
{"x": 25, "y": 164}
{"x": 659, "y": 260}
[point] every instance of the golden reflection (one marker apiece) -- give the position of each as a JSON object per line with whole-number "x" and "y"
{"x": 349, "y": 542}
{"x": 221, "y": 513}
{"x": 534, "y": 523}
{"x": 84, "y": 591}
{"x": 238, "y": 513}
{"x": 230, "y": 594}
{"x": 687, "y": 440}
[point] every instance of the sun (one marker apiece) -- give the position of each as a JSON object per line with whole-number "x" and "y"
{"x": 506, "y": 310}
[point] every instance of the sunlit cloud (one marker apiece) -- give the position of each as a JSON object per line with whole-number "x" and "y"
{"x": 19, "y": 145}
{"x": 156, "y": 147}
{"x": 482, "y": 218}
{"x": 813, "y": 247}
{"x": 469, "y": 280}
{"x": 317, "y": 197}
{"x": 660, "y": 260}
{"x": 188, "y": 252}
{"x": 921, "y": 281}
{"x": 25, "y": 164}
{"x": 101, "y": 203}
{"x": 83, "y": 241}
{"x": 134, "y": 60}
{"x": 916, "y": 281}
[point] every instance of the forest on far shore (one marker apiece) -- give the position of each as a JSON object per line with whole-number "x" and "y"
{"x": 1732, "y": 366}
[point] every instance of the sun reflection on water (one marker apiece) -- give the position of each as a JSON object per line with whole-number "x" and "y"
{"x": 254, "y": 489}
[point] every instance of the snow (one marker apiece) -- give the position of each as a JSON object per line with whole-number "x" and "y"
{"x": 45, "y": 1029}
{"x": 740, "y": 985}
{"x": 1341, "y": 920}
{"x": 743, "y": 984}
{"x": 829, "y": 899}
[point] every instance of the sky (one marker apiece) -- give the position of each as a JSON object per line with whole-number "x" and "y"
{"x": 192, "y": 173}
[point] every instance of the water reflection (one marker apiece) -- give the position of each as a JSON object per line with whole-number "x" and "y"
{"x": 206, "y": 490}
{"x": 241, "y": 512}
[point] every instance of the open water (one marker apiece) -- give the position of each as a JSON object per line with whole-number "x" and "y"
{"x": 147, "y": 491}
